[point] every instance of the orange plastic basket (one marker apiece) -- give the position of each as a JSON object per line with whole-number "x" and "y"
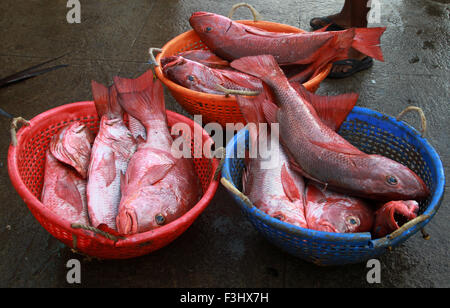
{"x": 217, "y": 108}
{"x": 26, "y": 169}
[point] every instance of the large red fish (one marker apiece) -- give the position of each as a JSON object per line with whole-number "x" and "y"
{"x": 269, "y": 182}
{"x": 322, "y": 155}
{"x": 157, "y": 188}
{"x": 72, "y": 146}
{"x": 64, "y": 190}
{"x": 330, "y": 211}
{"x": 231, "y": 40}
{"x": 199, "y": 77}
{"x": 111, "y": 152}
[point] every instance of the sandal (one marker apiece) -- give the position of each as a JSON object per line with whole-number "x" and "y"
{"x": 331, "y": 26}
{"x": 356, "y": 66}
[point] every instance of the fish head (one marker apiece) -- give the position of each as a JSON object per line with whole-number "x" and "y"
{"x": 390, "y": 180}
{"x": 189, "y": 74}
{"x": 72, "y": 146}
{"x": 393, "y": 215}
{"x": 210, "y": 24}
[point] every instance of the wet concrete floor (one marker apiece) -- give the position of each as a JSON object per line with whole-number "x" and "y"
{"x": 221, "y": 249}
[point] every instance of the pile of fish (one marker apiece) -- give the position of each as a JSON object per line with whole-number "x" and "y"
{"x": 322, "y": 182}
{"x": 301, "y": 55}
{"x": 124, "y": 180}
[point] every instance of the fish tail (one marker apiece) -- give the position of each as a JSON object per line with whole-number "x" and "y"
{"x": 101, "y": 98}
{"x": 264, "y": 67}
{"x": 367, "y": 41}
{"x": 142, "y": 98}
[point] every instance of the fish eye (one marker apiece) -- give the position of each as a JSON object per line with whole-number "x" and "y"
{"x": 190, "y": 78}
{"x": 352, "y": 220}
{"x": 208, "y": 29}
{"x": 391, "y": 180}
{"x": 160, "y": 219}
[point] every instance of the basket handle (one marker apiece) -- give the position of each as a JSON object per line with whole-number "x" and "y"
{"x": 222, "y": 154}
{"x": 152, "y": 55}
{"x": 422, "y": 117}
{"x": 256, "y": 15}
{"x": 14, "y": 126}
{"x": 411, "y": 224}
{"x": 231, "y": 188}
{"x": 98, "y": 231}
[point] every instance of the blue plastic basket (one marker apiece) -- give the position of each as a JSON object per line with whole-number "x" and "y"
{"x": 373, "y": 133}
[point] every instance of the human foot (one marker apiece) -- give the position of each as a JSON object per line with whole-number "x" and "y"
{"x": 340, "y": 19}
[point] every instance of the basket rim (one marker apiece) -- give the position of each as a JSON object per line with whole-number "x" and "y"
{"x": 386, "y": 241}
{"x": 130, "y": 240}
{"x": 206, "y": 96}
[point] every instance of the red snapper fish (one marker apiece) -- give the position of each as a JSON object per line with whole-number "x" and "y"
{"x": 231, "y": 40}
{"x": 393, "y": 215}
{"x": 112, "y": 150}
{"x": 199, "y": 77}
{"x": 72, "y": 146}
{"x": 278, "y": 190}
{"x": 322, "y": 155}
{"x": 157, "y": 188}
{"x": 64, "y": 190}
{"x": 330, "y": 211}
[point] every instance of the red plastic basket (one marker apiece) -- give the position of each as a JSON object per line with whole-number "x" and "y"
{"x": 26, "y": 169}
{"x": 218, "y": 108}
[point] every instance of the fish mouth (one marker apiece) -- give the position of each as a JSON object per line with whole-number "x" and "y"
{"x": 126, "y": 222}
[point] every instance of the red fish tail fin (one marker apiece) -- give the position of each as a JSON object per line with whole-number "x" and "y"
{"x": 114, "y": 109}
{"x": 367, "y": 41}
{"x": 264, "y": 67}
{"x": 100, "y": 94}
{"x": 332, "y": 110}
{"x": 142, "y": 98}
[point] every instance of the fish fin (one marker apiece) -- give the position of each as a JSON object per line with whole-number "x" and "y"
{"x": 314, "y": 194}
{"x": 107, "y": 167}
{"x": 264, "y": 67}
{"x": 145, "y": 105}
{"x": 323, "y": 29}
{"x": 136, "y": 128}
{"x": 114, "y": 109}
{"x": 343, "y": 148}
{"x": 263, "y": 33}
{"x": 296, "y": 167}
{"x": 157, "y": 172}
{"x": 289, "y": 187}
{"x": 270, "y": 111}
{"x": 367, "y": 41}
{"x": 332, "y": 110}
{"x": 130, "y": 85}
{"x": 67, "y": 190}
{"x": 100, "y": 94}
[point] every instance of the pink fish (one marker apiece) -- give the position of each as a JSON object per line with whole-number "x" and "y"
{"x": 231, "y": 40}
{"x": 199, "y": 77}
{"x": 111, "y": 152}
{"x": 276, "y": 189}
{"x": 393, "y": 215}
{"x": 322, "y": 155}
{"x": 157, "y": 188}
{"x": 72, "y": 146}
{"x": 64, "y": 190}
{"x": 330, "y": 211}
